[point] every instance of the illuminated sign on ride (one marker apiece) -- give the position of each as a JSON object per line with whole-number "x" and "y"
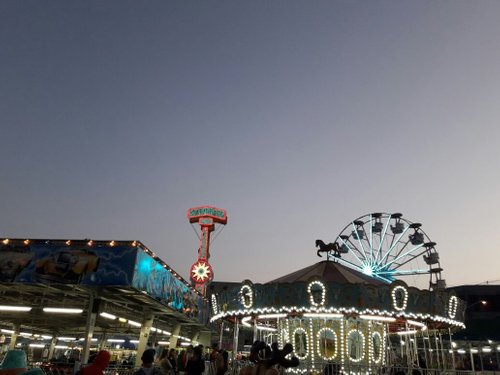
{"x": 206, "y": 216}
{"x": 197, "y": 214}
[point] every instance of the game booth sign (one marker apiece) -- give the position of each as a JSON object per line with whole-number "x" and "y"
{"x": 125, "y": 264}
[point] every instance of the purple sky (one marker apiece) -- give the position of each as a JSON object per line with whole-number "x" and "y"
{"x": 294, "y": 116}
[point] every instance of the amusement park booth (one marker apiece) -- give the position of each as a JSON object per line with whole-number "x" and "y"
{"x": 353, "y": 310}
{"x": 85, "y": 295}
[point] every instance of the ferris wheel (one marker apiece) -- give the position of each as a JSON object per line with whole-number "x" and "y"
{"x": 388, "y": 247}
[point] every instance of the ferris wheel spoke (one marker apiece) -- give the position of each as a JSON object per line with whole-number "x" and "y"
{"x": 403, "y": 255}
{"x": 350, "y": 264}
{"x": 414, "y": 256}
{"x": 351, "y": 250}
{"x": 404, "y": 272}
{"x": 355, "y": 248}
{"x": 371, "y": 238}
{"x": 359, "y": 240}
{"x": 382, "y": 240}
{"x": 394, "y": 245}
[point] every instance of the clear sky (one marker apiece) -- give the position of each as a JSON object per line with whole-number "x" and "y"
{"x": 294, "y": 116}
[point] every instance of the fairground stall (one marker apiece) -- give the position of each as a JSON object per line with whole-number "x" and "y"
{"x": 63, "y": 299}
{"x": 353, "y": 312}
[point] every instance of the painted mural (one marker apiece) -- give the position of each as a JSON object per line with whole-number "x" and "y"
{"x": 151, "y": 277}
{"x": 59, "y": 263}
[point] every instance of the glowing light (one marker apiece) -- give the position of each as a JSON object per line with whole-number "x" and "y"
{"x": 452, "y": 306}
{"x": 301, "y": 331}
{"x": 367, "y": 270}
{"x": 326, "y": 343}
{"x": 15, "y": 308}
{"x": 401, "y": 302}
{"x": 215, "y": 309}
{"x": 360, "y": 349}
{"x": 133, "y": 323}
{"x": 108, "y": 316}
{"x": 323, "y": 315}
{"x": 272, "y": 316}
{"x": 246, "y": 291}
{"x": 245, "y": 320}
{"x": 265, "y": 328}
{"x": 116, "y": 340}
{"x": 312, "y": 284}
{"x": 417, "y": 324}
{"x": 200, "y": 271}
{"x": 378, "y": 318}
{"x": 62, "y": 310}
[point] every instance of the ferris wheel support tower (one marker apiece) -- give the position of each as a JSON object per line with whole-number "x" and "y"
{"x": 201, "y": 272}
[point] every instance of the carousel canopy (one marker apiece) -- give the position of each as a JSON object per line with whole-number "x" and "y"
{"x": 329, "y": 271}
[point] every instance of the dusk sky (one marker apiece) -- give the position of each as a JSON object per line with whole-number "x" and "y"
{"x": 294, "y": 116}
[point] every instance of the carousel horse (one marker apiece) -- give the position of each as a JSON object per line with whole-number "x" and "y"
{"x": 266, "y": 358}
{"x": 326, "y": 248}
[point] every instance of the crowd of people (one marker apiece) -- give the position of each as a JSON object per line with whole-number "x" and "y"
{"x": 191, "y": 361}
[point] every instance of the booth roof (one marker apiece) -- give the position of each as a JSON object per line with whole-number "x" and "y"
{"x": 329, "y": 271}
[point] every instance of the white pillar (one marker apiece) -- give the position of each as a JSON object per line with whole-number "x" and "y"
{"x": 174, "y": 336}
{"x": 147, "y": 322}
{"x": 13, "y": 337}
{"x": 89, "y": 327}
{"x": 204, "y": 338}
{"x": 53, "y": 342}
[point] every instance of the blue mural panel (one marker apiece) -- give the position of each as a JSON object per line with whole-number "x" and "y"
{"x": 150, "y": 276}
{"x": 53, "y": 263}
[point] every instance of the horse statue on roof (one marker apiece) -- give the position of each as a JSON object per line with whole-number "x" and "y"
{"x": 327, "y": 248}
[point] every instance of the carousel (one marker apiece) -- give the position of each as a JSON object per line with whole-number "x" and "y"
{"x": 357, "y": 311}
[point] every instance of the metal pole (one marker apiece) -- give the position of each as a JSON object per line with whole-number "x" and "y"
{"x": 443, "y": 353}
{"x": 221, "y": 333}
{"x": 89, "y": 327}
{"x": 452, "y": 349}
{"x": 472, "y": 359}
{"x": 436, "y": 343}
{"x": 235, "y": 339}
